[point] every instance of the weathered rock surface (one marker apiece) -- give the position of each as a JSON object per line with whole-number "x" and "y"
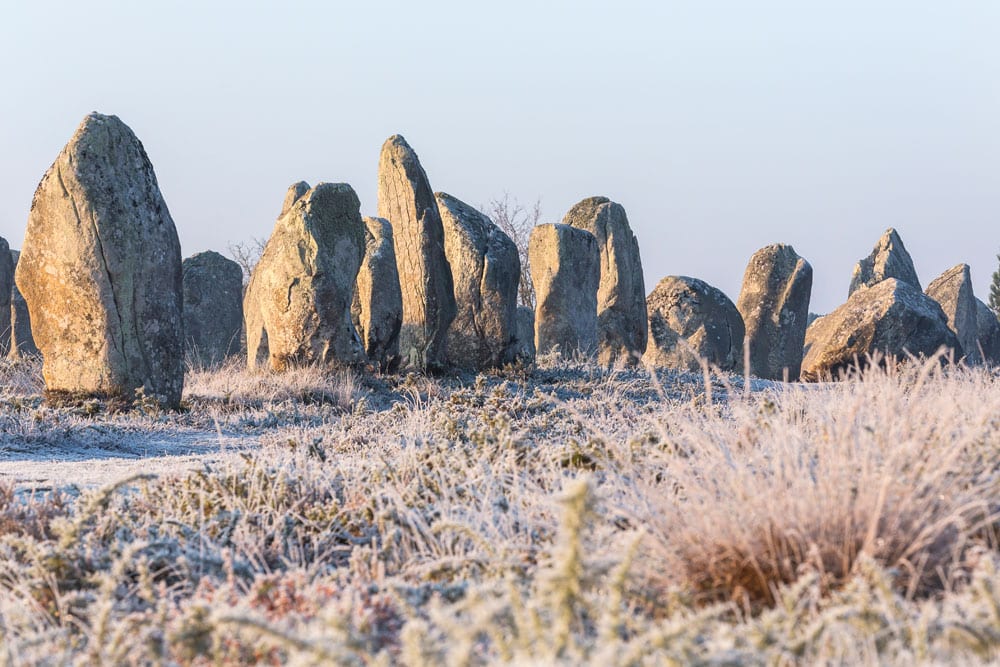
{"x": 621, "y": 295}
{"x": 300, "y": 293}
{"x": 889, "y": 259}
{"x": 485, "y": 271}
{"x": 406, "y": 200}
{"x": 6, "y": 292}
{"x": 213, "y": 308}
{"x": 774, "y": 304}
{"x": 891, "y": 318}
{"x": 566, "y": 270}
{"x": 522, "y": 349}
{"x": 987, "y": 334}
{"x": 292, "y": 195}
{"x": 691, "y": 321}
{"x": 377, "y": 310}
{"x": 21, "y": 342}
{"x": 953, "y": 291}
{"x": 101, "y": 270}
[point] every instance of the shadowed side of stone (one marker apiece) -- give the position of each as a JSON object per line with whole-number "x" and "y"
{"x": 888, "y": 259}
{"x": 566, "y": 271}
{"x": 7, "y": 263}
{"x": 213, "y": 308}
{"x": 406, "y": 200}
{"x": 377, "y": 310}
{"x": 987, "y": 334}
{"x": 21, "y": 342}
{"x": 485, "y": 272}
{"x": 100, "y": 270}
{"x": 621, "y": 295}
{"x": 774, "y": 304}
{"x": 300, "y": 294}
{"x": 890, "y": 318}
{"x": 953, "y": 291}
{"x": 690, "y": 322}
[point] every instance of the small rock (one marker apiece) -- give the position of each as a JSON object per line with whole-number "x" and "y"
{"x": 213, "y": 308}
{"x": 21, "y": 342}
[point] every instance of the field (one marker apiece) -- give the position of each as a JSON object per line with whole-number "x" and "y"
{"x": 565, "y": 514}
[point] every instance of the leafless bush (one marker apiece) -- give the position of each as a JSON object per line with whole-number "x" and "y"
{"x": 517, "y": 221}
{"x": 247, "y": 254}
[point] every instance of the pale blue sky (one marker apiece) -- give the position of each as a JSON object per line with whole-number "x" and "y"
{"x": 720, "y": 126}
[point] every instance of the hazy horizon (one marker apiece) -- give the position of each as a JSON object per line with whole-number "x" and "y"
{"x": 720, "y": 127}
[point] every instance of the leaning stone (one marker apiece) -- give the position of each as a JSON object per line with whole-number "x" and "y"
{"x": 485, "y": 271}
{"x": 566, "y": 270}
{"x": 21, "y": 342}
{"x": 621, "y": 295}
{"x": 889, "y": 259}
{"x": 953, "y": 291}
{"x": 691, "y": 322}
{"x": 300, "y": 293}
{"x": 377, "y": 310}
{"x": 101, "y": 271}
{"x": 988, "y": 334}
{"x": 774, "y": 304}
{"x": 891, "y": 318}
{"x": 406, "y": 200}
{"x": 213, "y": 308}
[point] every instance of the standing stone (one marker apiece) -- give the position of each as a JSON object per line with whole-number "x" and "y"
{"x": 689, "y": 322}
{"x": 988, "y": 334}
{"x": 621, "y": 295}
{"x": 21, "y": 342}
{"x": 406, "y": 200}
{"x": 101, "y": 270}
{"x": 889, "y": 259}
{"x": 300, "y": 293}
{"x": 6, "y": 292}
{"x": 213, "y": 308}
{"x": 485, "y": 271}
{"x": 953, "y": 291}
{"x": 566, "y": 270}
{"x": 774, "y": 304}
{"x": 522, "y": 349}
{"x": 377, "y": 310}
{"x": 890, "y": 318}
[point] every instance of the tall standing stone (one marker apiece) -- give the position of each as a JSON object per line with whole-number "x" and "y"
{"x": 406, "y": 200}
{"x": 21, "y": 342}
{"x": 213, "y": 307}
{"x": 299, "y": 296}
{"x": 6, "y": 292}
{"x": 101, "y": 270}
{"x": 988, "y": 334}
{"x": 621, "y": 295}
{"x": 485, "y": 272}
{"x": 691, "y": 322}
{"x": 774, "y": 304}
{"x": 377, "y": 310}
{"x": 891, "y": 318}
{"x": 888, "y": 259}
{"x": 566, "y": 271}
{"x": 953, "y": 291}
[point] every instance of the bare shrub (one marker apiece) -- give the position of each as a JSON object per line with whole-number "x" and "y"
{"x": 247, "y": 254}
{"x": 517, "y": 221}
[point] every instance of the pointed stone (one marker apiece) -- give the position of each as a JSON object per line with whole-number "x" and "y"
{"x": 213, "y": 308}
{"x": 774, "y": 304}
{"x": 406, "y": 200}
{"x": 485, "y": 272}
{"x": 889, "y": 259}
{"x": 890, "y": 318}
{"x": 299, "y": 296}
{"x": 566, "y": 271}
{"x": 292, "y": 195}
{"x": 621, "y": 295}
{"x": 690, "y": 322}
{"x": 953, "y": 291}
{"x": 101, "y": 270}
{"x": 22, "y": 344}
{"x": 377, "y": 310}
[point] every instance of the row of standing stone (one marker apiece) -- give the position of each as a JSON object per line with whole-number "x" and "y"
{"x": 430, "y": 283}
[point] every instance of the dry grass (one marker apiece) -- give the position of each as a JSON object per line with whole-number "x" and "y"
{"x": 569, "y": 515}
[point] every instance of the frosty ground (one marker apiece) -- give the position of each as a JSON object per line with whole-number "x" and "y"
{"x": 561, "y": 514}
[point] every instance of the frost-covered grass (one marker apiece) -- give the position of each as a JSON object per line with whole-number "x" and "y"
{"x": 568, "y": 515}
